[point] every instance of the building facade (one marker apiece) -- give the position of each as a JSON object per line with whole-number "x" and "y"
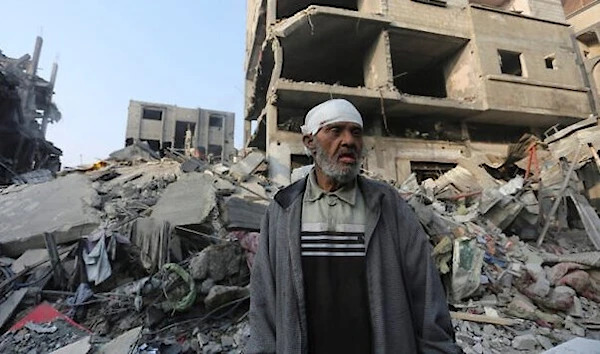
{"x": 164, "y": 126}
{"x": 436, "y": 81}
{"x": 584, "y": 17}
{"x": 26, "y": 109}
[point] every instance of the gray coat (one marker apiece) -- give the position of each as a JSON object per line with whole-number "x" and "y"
{"x": 408, "y": 308}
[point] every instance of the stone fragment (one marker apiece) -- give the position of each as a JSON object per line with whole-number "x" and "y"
{"x": 212, "y": 348}
{"x": 561, "y": 298}
{"x": 489, "y": 329}
{"x": 217, "y": 262}
{"x": 220, "y": 294}
{"x": 544, "y": 341}
{"x": 522, "y": 307}
{"x": 524, "y": 342}
{"x": 540, "y": 288}
{"x": 573, "y": 327}
{"x": 577, "y": 309}
{"x": 206, "y": 286}
{"x": 227, "y": 341}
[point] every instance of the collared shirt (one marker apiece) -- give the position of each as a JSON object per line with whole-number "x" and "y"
{"x": 334, "y": 269}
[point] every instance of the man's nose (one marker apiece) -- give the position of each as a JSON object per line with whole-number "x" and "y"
{"x": 348, "y": 139}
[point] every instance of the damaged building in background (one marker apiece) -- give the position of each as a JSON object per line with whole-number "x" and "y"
{"x": 162, "y": 126}
{"x": 26, "y": 109}
{"x": 584, "y": 17}
{"x": 436, "y": 81}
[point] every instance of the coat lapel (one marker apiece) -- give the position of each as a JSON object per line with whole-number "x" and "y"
{"x": 372, "y": 196}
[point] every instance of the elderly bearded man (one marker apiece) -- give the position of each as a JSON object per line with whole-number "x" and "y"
{"x": 343, "y": 265}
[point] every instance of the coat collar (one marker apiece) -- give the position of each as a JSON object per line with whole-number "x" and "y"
{"x": 371, "y": 190}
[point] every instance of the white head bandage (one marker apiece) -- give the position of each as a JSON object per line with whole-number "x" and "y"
{"x": 328, "y": 112}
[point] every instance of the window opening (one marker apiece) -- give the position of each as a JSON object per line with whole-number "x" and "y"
{"x": 510, "y": 63}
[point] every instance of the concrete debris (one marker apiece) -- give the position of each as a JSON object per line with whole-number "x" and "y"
{"x": 179, "y": 234}
{"x": 244, "y": 168}
{"x": 138, "y": 151}
{"x": 243, "y": 214}
{"x": 187, "y": 201}
{"x": 62, "y": 206}
{"x": 82, "y": 346}
{"x": 27, "y": 108}
{"x": 220, "y": 295}
{"x": 577, "y": 346}
{"x": 124, "y": 344}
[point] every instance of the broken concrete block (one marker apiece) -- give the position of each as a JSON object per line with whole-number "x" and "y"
{"x": 62, "y": 206}
{"x": 522, "y": 307}
{"x": 217, "y": 262}
{"x": 561, "y": 298}
{"x": 123, "y": 344}
{"x": 241, "y": 170}
{"x": 540, "y": 288}
{"x": 187, "y": 201}
{"x": 82, "y": 346}
{"x": 525, "y": 342}
{"x": 8, "y": 307}
{"x": 206, "y": 286}
{"x": 577, "y": 346}
{"x": 243, "y": 214}
{"x": 577, "y": 309}
{"x": 220, "y": 295}
{"x": 544, "y": 341}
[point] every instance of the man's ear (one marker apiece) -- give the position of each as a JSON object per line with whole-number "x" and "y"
{"x": 309, "y": 142}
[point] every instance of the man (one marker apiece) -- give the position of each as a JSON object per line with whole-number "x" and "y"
{"x": 343, "y": 265}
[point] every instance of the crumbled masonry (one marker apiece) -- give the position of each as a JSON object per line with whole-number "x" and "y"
{"x": 166, "y": 266}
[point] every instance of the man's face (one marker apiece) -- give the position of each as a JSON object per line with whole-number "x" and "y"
{"x": 338, "y": 150}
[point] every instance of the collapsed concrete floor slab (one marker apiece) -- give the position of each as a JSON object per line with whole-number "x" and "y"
{"x": 63, "y": 207}
{"x": 187, "y": 201}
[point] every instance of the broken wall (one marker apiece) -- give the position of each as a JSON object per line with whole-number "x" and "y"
{"x": 559, "y": 90}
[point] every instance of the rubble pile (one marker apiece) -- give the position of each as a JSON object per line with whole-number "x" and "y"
{"x": 146, "y": 254}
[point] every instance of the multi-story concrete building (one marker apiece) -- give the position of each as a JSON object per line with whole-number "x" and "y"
{"x": 435, "y": 80}
{"x": 584, "y": 17}
{"x": 165, "y": 126}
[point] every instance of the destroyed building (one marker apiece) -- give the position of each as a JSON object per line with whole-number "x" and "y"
{"x": 435, "y": 80}
{"x": 163, "y": 126}
{"x": 584, "y": 17}
{"x": 26, "y": 109}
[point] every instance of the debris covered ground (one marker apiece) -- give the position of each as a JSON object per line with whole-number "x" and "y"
{"x": 146, "y": 254}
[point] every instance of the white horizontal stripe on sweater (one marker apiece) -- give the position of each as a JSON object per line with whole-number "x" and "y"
{"x": 322, "y": 227}
{"x": 332, "y": 245}
{"x": 335, "y": 254}
{"x": 328, "y": 238}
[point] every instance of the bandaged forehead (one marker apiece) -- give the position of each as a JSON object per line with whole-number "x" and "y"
{"x": 329, "y": 112}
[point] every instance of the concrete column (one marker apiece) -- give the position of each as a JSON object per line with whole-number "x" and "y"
{"x": 223, "y": 147}
{"x": 32, "y": 69}
{"x": 403, "y": 170}
{"x": 280, "y": 161}
{"x": 206, "y": 126}
{"x": 247, "y": 131}
{"x": 278, "y": 153}
{"x": 377, "y": 67}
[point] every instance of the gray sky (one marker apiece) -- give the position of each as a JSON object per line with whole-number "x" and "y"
{"x": 184, "y": 52}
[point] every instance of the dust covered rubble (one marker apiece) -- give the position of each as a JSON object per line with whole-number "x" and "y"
{"x": 176, "y": 237}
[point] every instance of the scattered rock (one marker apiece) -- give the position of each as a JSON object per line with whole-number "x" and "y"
{"x": 525, "y": 342}
{"x": 220, "y": 294}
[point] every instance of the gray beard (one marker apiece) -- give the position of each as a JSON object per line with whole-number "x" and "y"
{"x": 340, "y": 173}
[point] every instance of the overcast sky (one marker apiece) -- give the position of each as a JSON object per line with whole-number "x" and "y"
{"x": 184, "y": 52}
